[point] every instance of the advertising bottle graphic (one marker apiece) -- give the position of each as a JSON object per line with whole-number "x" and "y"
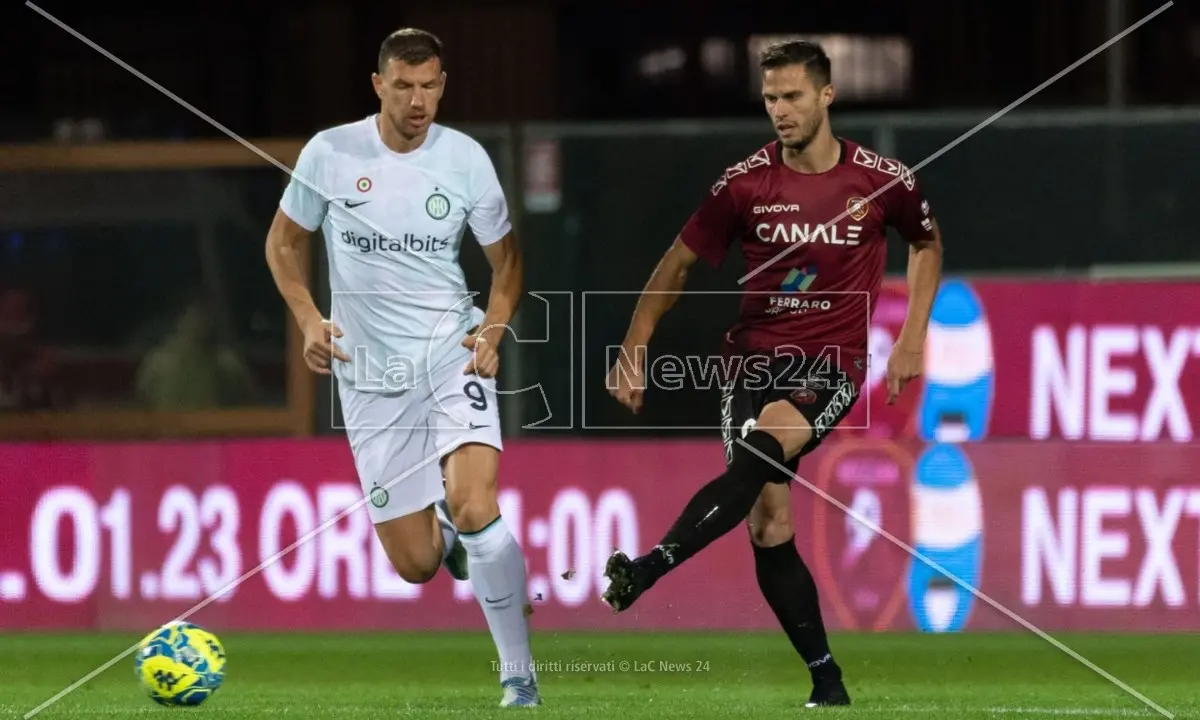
{"x": 959, "y": 388}
{"x": 948, "y": 530}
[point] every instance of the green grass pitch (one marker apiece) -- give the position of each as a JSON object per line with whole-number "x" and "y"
{"x": 694, "y": 676}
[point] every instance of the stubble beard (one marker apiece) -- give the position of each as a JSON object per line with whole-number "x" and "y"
{"x": 401, "y": 127}
{"x": 810, "y": 132}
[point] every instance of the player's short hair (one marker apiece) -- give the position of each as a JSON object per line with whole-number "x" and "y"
{"x": 410, "y": 46}
{"x": 798, "y": 52}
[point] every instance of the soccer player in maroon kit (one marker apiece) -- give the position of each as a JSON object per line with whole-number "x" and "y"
{"x": 801, "y": 340}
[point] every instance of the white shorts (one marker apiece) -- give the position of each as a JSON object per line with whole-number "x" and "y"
{"x": 399, "y": 439}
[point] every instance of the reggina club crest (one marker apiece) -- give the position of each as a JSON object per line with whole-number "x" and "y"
{"x": 858, "y": 207}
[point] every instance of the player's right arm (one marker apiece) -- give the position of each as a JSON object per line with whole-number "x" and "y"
{"x": 300, "y": 213}
{"x": 707, "y": 235}
{"x": 625, "y": 381}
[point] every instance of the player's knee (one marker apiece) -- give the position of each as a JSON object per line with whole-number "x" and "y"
{"x": 769, "y": 532}
{"x": 471, "y": 486}
{"x": 788, "y": 425}
{"x": 472, "y": 508}
{"x": 770, "y": 520}
{"x": 760, "y": 459}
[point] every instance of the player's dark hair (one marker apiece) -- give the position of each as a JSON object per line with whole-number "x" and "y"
{"x": 798, "y": 52}
{"x": 410, "y": 46}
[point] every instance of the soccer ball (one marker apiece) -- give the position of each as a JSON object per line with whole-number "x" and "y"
{"x": 180, "y": 664}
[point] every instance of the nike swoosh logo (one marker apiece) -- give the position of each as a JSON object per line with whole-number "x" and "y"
{"x": 493, "y": 602}
{"x": 352, "y": 204}
{"x": 473, "y": 426}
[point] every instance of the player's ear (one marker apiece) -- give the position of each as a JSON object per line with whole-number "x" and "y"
{"x": 377, "y": 83}
{"x": 827, "y": 94}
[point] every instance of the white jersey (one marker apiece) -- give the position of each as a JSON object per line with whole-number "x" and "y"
{"x": 393, "y": 225}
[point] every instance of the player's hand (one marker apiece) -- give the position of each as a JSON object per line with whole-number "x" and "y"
{"x": 485, "y": 357}
{"x": 626, "y": 381}
{"x": 903, "y": 366}
{"x": 319, "y": 349}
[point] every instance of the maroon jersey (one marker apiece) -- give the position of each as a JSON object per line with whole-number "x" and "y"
{"x": 820, "y": 295}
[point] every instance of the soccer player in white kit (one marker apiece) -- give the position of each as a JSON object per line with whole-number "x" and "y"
{"x": 415, "y": 361}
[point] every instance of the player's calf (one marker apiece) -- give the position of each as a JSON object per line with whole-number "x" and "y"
{"x": 791, "y": 592}
{"x": 454, "y": 556}
{"x": 414, "y": 545}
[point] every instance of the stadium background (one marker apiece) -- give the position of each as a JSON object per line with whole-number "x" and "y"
{"x": 161, "y": 435}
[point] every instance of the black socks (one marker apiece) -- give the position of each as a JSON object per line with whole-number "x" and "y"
{"x": 718, "y": 507}
{"x": 785, "y": 581}
{"x": 789, "y": 589}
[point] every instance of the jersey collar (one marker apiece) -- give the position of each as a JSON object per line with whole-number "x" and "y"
{"x": 841, "y": 147}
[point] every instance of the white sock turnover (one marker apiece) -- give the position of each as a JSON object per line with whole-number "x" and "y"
{"x": 497, "y": 568}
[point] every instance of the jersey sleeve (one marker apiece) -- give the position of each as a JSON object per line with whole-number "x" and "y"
{"x": 714, "y": 225}
{"x": 488, "y": 216}
{"x": 907, "y": 209}
{"x": 304, "y": 200}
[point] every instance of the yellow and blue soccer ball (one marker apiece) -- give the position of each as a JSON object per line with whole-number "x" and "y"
{"x": 180, "y": 664}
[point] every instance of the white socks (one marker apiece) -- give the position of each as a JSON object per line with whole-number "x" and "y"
{"x": 497, "y": 568}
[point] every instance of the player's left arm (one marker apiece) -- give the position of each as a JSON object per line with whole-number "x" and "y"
{"x": 507, "y": 285}
{"x": 489, "y": 221}
{"x": 924, "y": 277}
{"x": 911, "y": 216}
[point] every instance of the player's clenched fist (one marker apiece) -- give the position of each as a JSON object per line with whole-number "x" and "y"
{"x": 626, "y": 382}
{"x": 319, "y": 349}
